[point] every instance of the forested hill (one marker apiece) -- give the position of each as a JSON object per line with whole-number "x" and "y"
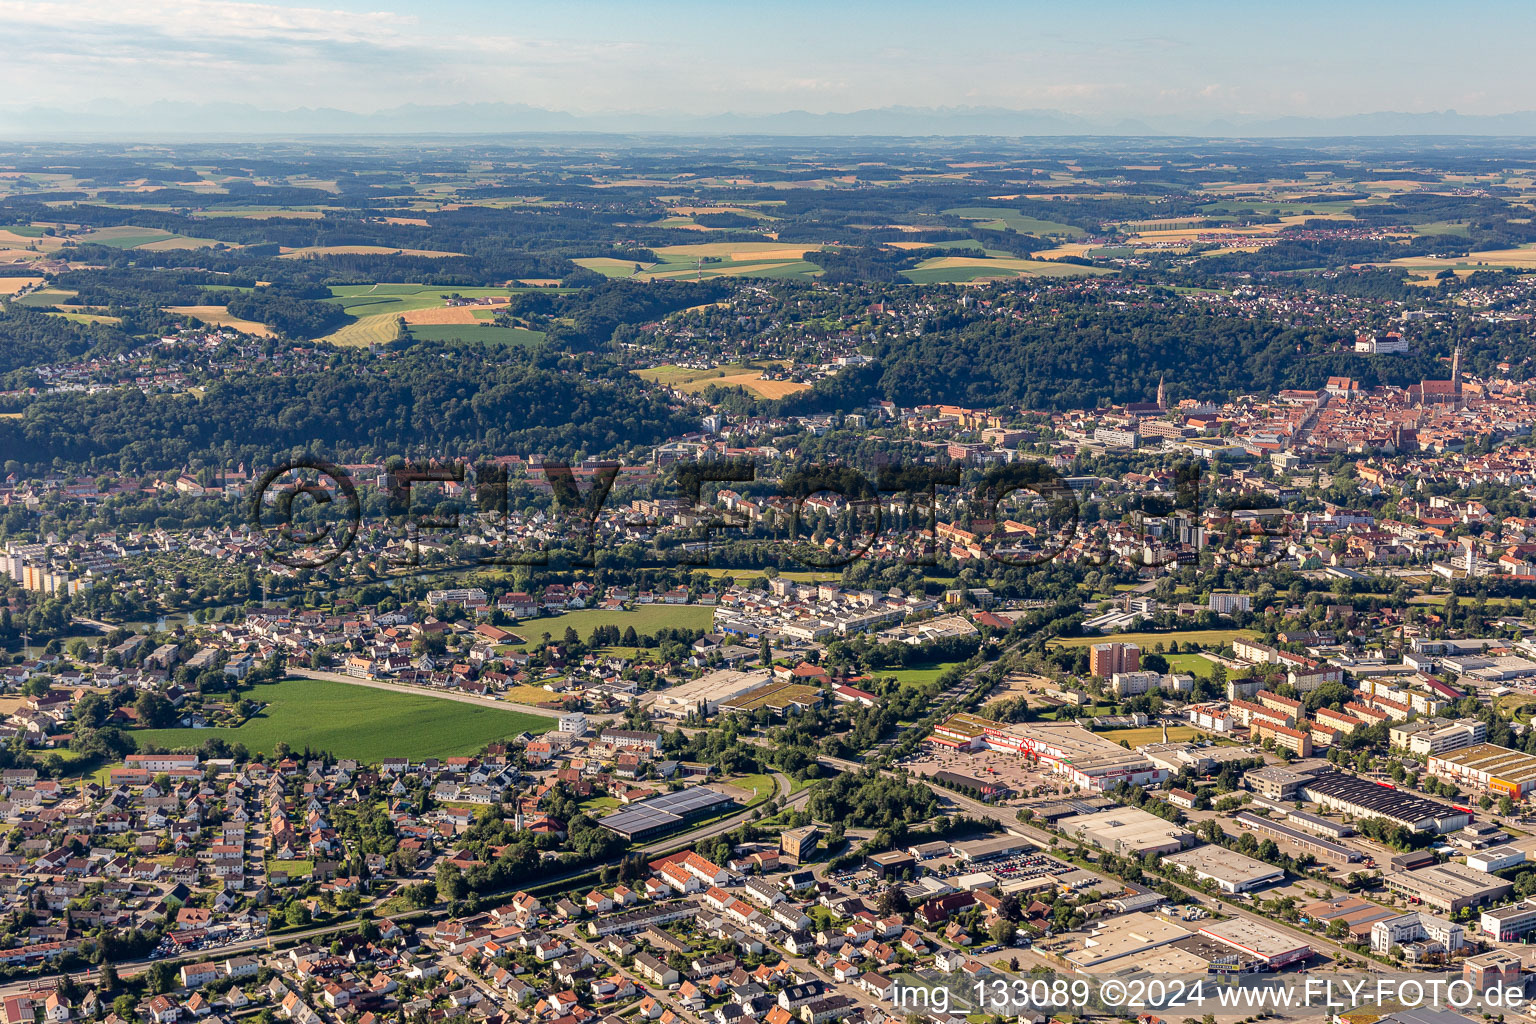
{"x": 1081, "y": 358}
{"x": 428, "y": 396}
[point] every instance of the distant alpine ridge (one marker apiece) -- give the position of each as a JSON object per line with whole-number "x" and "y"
{"x": 112, "y": 118}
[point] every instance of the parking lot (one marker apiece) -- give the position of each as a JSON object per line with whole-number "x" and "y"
{"x": 993, "y": 766}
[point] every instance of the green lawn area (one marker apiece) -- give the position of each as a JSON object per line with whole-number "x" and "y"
{"x": 356, "y": 722}
{"x": 761, "y": 786}
{"x": 485, "y": 334}
{"x": 916, "y": 674}
{"x": 1192, "y": 664}
{"x": 646, "y": 619}
{"x": 1204, "y": 637}
{"x": 303, "y": 868}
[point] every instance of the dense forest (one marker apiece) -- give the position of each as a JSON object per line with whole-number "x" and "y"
{"x": 428, "y": 396}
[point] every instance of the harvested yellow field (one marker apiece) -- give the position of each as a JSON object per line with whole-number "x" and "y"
{"x": 1524, "y": 259}
{"x": 751, "y": 380}
{"x": 12, "y": 285}
{"x": 379, "y": 329}
{"x": 908, "y": 245}
{"x": 361, "y": 250}
{"x": 44, "y": 243}
{"x": 539, "y": 282}
{"x": 420, "y": 222}
{"x": 447, "y": 314}
{"x": 218, "y": 316}
{"x": 1066, "y": 249}
{"x": 731, "y": 251}
{"x": 773, "y": 254}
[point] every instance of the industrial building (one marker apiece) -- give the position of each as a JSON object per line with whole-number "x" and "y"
{"x": 1349, "y": 794}
{"x": 1232, "y": 872}
{"x": 1511, "y": 923}
{"x": 1124, "y": 936}
{"x": 1499, "y": 770}
{"x": 1128, "y": 830}
{"x": 1274, "y": 949}
{"x": 1317, "y": 846}
{"x": 1448, "y": 887}
{"x": 665, "y": 812}
{"x": 1496, "y": 859}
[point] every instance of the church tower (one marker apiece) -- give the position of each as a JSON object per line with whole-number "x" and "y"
{"x": 1162, "y": 394}
{"x": 1456, "y": 370}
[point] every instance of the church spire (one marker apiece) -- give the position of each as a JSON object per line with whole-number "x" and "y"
{"x": 1456, "y": 370}
{"x": 1162, "y": 393}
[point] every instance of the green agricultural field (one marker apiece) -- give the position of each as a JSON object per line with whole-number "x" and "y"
{"x": 373, "y": 299}
{"x": 357, "y": 722}
{"x": 484, "y": 334}
{"x": 646, "y": 619}
{"x": 960, "y": 269}
{"x": 1441, "y": 227}
{"x": 46, "y": 297}
{"x": 999, "y": 217}
{"x": 1203, "y": 637}
{"x": 610, "y": 267}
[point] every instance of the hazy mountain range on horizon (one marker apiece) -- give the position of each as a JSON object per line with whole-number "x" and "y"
{"x": 116, "y": 119}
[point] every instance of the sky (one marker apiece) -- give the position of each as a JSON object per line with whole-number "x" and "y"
{"x": 1107, "y": 59}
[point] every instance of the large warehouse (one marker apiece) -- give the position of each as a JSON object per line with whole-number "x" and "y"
{"x": 1231, "y": 871}
{"x": 1352, "y": 795}
{"x": 1127, "y": 830}
{"x": 1272, "y": 948}
{"x": 1090, "y": 761}
{"x": 1498, "y": 770}
{"x": 665, "y": 812}
{"x": 1448, "y": 887}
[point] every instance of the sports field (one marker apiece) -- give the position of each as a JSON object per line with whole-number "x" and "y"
{"x": 353, "y": 721}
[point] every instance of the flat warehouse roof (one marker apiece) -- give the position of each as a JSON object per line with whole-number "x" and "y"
{"x": 1451, "y": 880}
{"x": 1377, "y": 799}
{"x": 1225, "y": 865}
{"x": 1492, "y": 760}
{"x": 1254, "y": 937}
